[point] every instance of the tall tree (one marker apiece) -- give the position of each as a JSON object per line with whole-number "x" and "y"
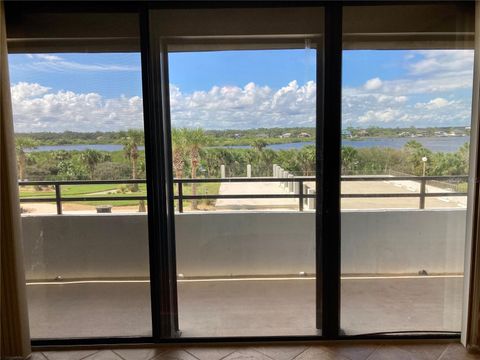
{"x": 259, "y": 144}
{"x": 91, "y": 158}
{"x": 179, "y": 145}
{"x": 195, "y": 139}
{"x": 21, "y": 144}
{"x": 131, "y": 140}
{"x": 349, "y": 158}
{"x": 415, "y": 152}
{"x": 306, "y": 158}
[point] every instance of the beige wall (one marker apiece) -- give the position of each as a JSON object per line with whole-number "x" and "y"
{"x": 248, "y": 243}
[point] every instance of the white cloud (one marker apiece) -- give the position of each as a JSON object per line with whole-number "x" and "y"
{"x": 245, "y": 107}
{"x": 434, "y": 104}
{"x": 24, "y": 90}
{"x": 37, "y": 108}
{"x": 435, "y": 91}
{"x": 421, "y": 98}
{"x": 380, "y": 116}
{"x": 54, "y": 63}
{"x": 48, "y": 57}
{"x": 442, "y": 61}
{"x": 373, "y": 84}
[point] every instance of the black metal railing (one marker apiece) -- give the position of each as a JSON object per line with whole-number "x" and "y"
{"x": 299, "y": 194}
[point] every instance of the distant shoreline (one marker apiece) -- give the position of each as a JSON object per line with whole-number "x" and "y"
{"x": 436, "y": 144}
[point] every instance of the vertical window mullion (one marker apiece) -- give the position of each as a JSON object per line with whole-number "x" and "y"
{"x": 162, "y": 255}
{"x": 328, "y": 177}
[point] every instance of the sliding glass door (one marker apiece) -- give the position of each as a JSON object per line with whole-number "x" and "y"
{"x": 406, "y": 120}
{"x": 243, "y": 143}
{"x": 242, "y": 135}
{"x": 247, "y": 172}
{"x": 80, "y": 152}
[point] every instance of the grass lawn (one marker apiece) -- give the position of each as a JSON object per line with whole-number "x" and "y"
{"x": 117, "y": 190}
{"x": 202, "y": 189}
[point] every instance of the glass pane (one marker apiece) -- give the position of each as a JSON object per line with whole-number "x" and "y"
{"x": 79, "y": 137}
{"x": 243, "y": 128}
{"x": 405, "y": 147}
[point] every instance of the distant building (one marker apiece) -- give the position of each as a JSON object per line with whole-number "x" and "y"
{"x": 286, "y": 135}
{"x": 236, "y": 136}
{"x": 304, "y": 135}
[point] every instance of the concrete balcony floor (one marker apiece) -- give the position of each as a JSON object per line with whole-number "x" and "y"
{"x": 246, "y": 307}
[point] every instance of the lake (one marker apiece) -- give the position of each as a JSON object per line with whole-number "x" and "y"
{"x": 80, "y": 147}
{"x": 436, "y": 144}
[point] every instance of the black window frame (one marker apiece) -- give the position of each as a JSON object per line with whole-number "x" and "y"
{"x": 160, "y": 181}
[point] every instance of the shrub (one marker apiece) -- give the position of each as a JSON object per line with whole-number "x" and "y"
{"x": 112, "y": 171}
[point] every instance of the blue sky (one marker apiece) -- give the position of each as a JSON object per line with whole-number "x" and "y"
{"x": 274, "y": 68}
{"x": 123, "y": 78}
{"x": 201, "y": 71}
{"x": 241, "y": 89}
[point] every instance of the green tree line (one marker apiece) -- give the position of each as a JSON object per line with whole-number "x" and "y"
{"x": 193, "y": 156}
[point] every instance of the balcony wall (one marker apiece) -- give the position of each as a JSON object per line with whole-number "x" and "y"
{"x": 247, "y": 243}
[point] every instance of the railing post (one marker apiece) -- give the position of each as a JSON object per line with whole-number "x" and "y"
{"x": 290, "y": 183}
{"x": 311, "y": 202}
{"x": 422, "y": 193}
{"x": 300, "y": 195}
{"x": 58, "y": 198}
{"x": 180, "y": 197}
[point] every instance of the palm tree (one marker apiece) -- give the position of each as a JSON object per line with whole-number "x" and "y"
{"x": 21, "y": 144}
{"x": 91, "y": 158}
{"x": 349, "y": 157}
{"x": 179, "y": 144}
{"x": 306, "y": 159}
{"x": 415, "y": 152}
{"x": 261, "y": 155}
{"x": 259, "y": 144}
{"x": 132, "y": 139}
{"x": 195, "y": 139}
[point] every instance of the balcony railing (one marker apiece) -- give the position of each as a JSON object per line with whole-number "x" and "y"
{"x": 299, "y": 194}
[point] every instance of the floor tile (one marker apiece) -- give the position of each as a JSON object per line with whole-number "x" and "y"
{"x": 175, "y": 355}
{"x": 210, "y": 352}
{"x": 391, "y": 352}
{"x": 281, "y": 352}
{"x": 424, "y": 351}
{"x": 68, "y": 355}
{"x": 247, "y": 354}
{"x": 319, "y": 353}
{"x": 37, "y": 356}
{"x": 458, "y": 352}
{"x": 352, "y": 351}
{"x": 139, "y": 354}
{"x": 104, "y": 355}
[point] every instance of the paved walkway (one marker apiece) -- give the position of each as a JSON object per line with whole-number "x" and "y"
{"x": 254, "y": 204}
{"x": 347, "y": 187}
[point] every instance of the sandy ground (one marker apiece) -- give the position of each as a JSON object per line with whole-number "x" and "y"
{"x": 254, "y": 204}
{"x": 348, "y": 187}
{"x": 388, "y": 187}
{"x": 71, "y": 208}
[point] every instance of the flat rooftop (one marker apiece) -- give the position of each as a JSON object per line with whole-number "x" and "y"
{"x": 241, "y": 307}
